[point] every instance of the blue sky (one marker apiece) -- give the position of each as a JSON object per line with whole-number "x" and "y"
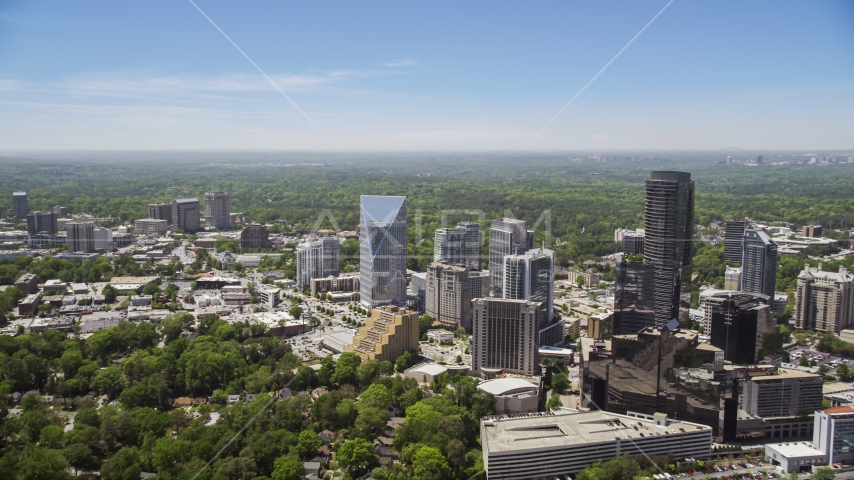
{"x": 426, "y": 75}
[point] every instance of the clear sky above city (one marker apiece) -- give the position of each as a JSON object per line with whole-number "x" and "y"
{"x": 426, "y": 75}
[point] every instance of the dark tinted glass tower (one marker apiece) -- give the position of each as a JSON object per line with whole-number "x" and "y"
{"x": 632, "y": 244}
{"x": 19, "y": 205}
{"x": 733, "y": 233}
{"x": 739, "y": 324}
{"x": 633, "y": 309}
{"x": 656, "y": 371}
{"x": 669, "y": 226}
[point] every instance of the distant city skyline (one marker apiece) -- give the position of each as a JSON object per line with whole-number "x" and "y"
{"x": 443, "y": 76}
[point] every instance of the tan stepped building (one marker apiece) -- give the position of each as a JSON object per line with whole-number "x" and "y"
{"x": 388, "y": 333}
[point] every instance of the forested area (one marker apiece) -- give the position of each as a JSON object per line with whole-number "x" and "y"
{"x": 137, "y": 429}
{"x": 581, "y": 209}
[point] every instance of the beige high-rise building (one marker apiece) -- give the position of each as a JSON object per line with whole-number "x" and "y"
{"x": 506, "y": 336}
{"x": 732, "y": 279}
{"x": 81, "y": 237}
{"x": 448, "y": 295}
{"x": 388, "y": 333}
{"x": 218, "y": 210}
{"x": 824, "y": 301}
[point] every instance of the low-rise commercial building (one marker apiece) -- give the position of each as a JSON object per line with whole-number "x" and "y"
{"x": 440, "y": 336}
{"x": 784, "y": 393}
{"x": 269, "y": 296}
{"x": 140, "y": 300}
{"x": 425, "y": 372}
{"x": 150, "y": 226}
{"x": 833, "y": 437}
{"x": 564, "y": 442}
{"x": 591, "y": 279}
{"x": 133, "y": 283}
{"x": 514, "y": 394}
{"x": 29, "y": 304}
{"x": 337, "y": 341}
{"x": 341, "y": 283}
{"x": 28, "y": 283}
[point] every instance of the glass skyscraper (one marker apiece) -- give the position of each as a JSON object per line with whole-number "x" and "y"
{"x": 759, "y": 263}
{"x": 669, "y": 234}
{"x": 633, "y": 309}
{"x": 460, "y": 245}
{"x": 382, "y": 250}
{"x": 507, "y": 236}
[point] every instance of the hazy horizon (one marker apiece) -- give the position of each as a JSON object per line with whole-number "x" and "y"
{"x": 650, "y": 75}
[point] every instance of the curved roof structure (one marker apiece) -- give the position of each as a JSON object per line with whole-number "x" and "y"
{"x": 508, "y": 386}
{"x": 428, "y": 369}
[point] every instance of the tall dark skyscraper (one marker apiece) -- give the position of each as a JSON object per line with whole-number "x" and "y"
{"x": 733, "y": 237}
{"x": 669, "y": 227}
{"x": 19, "y": 205}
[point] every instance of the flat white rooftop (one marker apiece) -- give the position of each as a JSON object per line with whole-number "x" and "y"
{"x": 516, "y": 433}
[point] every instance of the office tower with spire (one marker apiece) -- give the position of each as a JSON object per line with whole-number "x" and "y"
{"x": 19, "y": 205}
{"x": 669, "y": 227}
{"x": 382, "y": 250}
{"x": 759, "y": 263}
{"x": 507, "y": 236}
{"x": 218, "y": 210}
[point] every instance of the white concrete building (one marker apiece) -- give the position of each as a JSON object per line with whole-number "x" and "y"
{"x": 150, "y": 226}
{"x": 425, "y": 372}
{"x": 440, "y": 336}
{"x": 833, "y": 443}
{"x": 269, "y": 296}
{"x": 140, "y": 300}
{"x": 513, "y": 394}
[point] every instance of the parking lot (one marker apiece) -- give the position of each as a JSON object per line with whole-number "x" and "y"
{"x": 820, "y": 358}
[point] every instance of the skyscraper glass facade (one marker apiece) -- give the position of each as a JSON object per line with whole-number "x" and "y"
{"x": 382, "y": 250}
